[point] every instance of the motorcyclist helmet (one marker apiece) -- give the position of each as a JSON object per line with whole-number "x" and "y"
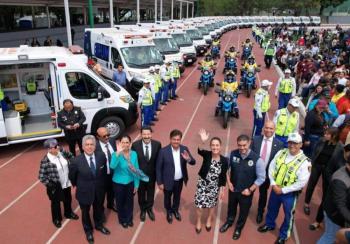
{"x": 207, "y": 57}
{"x": 247, "y": 40}
{"x": 230, "y": 76}
{"x": 232, "y": 49}
{"x": 251, "y": 60}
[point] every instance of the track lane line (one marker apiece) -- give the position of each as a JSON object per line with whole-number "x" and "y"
{"x": 18, "y": 155}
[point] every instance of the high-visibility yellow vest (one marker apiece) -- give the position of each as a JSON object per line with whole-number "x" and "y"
{"x": 155, "y": 84}
{"x": 167, "y": 74}
{"x": 175, "y": 72}
{"x": 286, "y": 125}
{"x": 147, "y": 99}
{"x": 216, "y": 43}
{"x": 265, "y": 105}
{"x": 226, "y": 86}
{"x": 207, "y": 63}
{"x": 285, "y": 174}
{"x": 286, "y": 86}
{"x": 2, "y": 95}
{"x": 270, "y": 51}
{"x": 31, "y": 86}
{"x": 158, "y": 80}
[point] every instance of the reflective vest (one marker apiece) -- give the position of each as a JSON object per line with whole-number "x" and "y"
{"x": 270, "y": 51}
{"x": 216, "y": 43}
{"x": 2, "y": 95}
{"x": 147, "y": 99}
{"x": 158, "y": 80}
{"x": 31, "y": 86}
{"x": 286, "y": 86}
{"x": 286, "y": 125}
{"x": 207, "y": 63}
{"x": 175, "y": 72}
{"x": 265, "y": 105}
{"x": 226, "y": 86}
{"x": 167, "y": 74}
{"x": 156, "y": 84}
{"x": 285, "y": 174}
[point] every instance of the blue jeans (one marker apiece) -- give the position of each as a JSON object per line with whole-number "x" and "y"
{"x": 258, "y": 123}
{"x": 156, "y": 101}
{"x": 165, "y": 92}
{"x": 283, "y": 99}
{"x": 172, "y": 87}
{"x": 308, "y": 150}
{"x": 147, "y": 115}
{"x": 329, "y": 232}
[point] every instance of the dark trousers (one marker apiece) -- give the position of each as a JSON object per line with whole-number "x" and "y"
{"x": 172, "y": 197}
{"x": 258, "y": 123}
{"x": 124, "y": 196}
{"x": 316, "y": 171}
{"x": 109, "y": 191}
{"x": 268, "y": 61}
{"x": 97, "y": 207}
{"x": 283, "y": 99}
{"x": 146, "y": 195}
{"x": 244, "y": 202}
{"x": 263, "y": 189}
{"x": 72, "y": 142}
{"x": 56, "y": 205}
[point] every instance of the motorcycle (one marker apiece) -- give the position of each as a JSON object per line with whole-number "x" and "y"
{"x": 228, "y": 107}
{"x": 247, "y": 51}
{"x": 230, "y": 64}
{"x": 248, "y": 80}
{"x": 205, "y": 80}
{"x": 215, "y": 52}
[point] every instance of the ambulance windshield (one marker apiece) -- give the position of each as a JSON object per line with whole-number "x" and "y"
{"x": 166, "y": 45}
{"x": 182, "y": 40}
{"x": 142, "y": 56}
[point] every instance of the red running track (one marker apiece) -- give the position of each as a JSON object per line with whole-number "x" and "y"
{"x": 25, "y": 208}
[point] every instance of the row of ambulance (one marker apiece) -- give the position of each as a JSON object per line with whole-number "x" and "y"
{"x": 55, "y": 73}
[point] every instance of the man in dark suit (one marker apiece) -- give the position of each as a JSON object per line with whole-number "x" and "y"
{"x": 107, "y": 145}
{"x": 266, "y": 146}
{"x": 87, "y": 173}
{"x": 172, "y": 173}
{"x": 147, "y": 151}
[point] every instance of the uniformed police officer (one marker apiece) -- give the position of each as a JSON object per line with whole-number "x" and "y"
{"x": 269, "y": 53}
{"x": 71, "y": 119}
{"x": 175, "y": 76}
{"x": 286, "y": 121}
{"x": 246, "y": 173}
{"x": 261, "y": 106}
{"x": 165, "y": 74}
{"x": 158, "y": 88}
{"x": 285, "y": 89}
{"x": 145, "y": 102}
{"x": 288, "y": 173}
{"x": 154, "y": 90}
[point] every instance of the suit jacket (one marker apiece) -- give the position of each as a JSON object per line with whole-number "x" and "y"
{"x": 111, "y": 141}
{"x": 148, "y": 167}
{"x": 166, "y": 167}
{"x": 275, "y": 147}
{"x": 88, "y": 186}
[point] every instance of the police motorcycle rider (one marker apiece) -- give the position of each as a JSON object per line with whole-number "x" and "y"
{"x": 230, "y": 84}
{"x": 249, "y": 65}
{"x": 231, "y": 53}
{"x": 208, "y": 63}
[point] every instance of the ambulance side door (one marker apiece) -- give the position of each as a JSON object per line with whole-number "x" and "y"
{"x": 102, "y": 53}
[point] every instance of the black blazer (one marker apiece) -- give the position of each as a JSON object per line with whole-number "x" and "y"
{"x": 88, "y": 186}
{"x": 166, "y": 167}
{"x": 111, "y": 141}
{"x": 148, "y": 167}
{"x": 206, "y": 166}
{"x": 276, "y": 146}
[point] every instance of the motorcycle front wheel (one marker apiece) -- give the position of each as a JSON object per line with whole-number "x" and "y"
{"x": 225, "y": 119}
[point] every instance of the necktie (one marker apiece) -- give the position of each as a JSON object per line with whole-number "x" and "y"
{"x": 108, "y": 157}
{"x": 264, "y": 151}
{"x": 92, "y": 166}
{"x": 147, "y": 153}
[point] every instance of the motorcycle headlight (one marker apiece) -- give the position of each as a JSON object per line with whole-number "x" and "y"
{"x": 250, "y": 74}
{"x": 227, "y": 98}
{"x": 206, "y": 72}
{"x": 231, "y": 60}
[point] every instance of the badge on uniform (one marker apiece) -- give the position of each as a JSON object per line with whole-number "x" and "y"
{"x": 235, "y": 159}
{"x": 250, "y": 163}
{"x": 76, "y": 112}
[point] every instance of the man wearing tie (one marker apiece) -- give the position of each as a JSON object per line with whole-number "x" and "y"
{"x": 266, "y": 146}
{"x": 107, "y": 145}
{"x": 147, "y": 151}
{"x": 87, "y": 173}
{"x": 172, "y": 173}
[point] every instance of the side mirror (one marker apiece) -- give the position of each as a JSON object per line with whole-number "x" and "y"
{"x": 100, "y": 93}
{"x": 163, "y": 56}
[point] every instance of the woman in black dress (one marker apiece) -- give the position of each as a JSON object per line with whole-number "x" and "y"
{"x": 212, "y": 179}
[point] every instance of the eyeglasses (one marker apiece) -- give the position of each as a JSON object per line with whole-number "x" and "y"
{"x": 106, "y": 136}
{"x": 55, "y": 147}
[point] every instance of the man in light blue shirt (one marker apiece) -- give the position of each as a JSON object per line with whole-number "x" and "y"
{"x": 119, "y": 76}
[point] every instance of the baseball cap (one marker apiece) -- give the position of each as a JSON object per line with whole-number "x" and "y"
{"x": 266, "y": 83}
{"x": 146, "y": 81}
{"x": 50, "y": 143}
{"x": 295, "y": 137}
{"x": 151, "y": 69}
{"x": 294, "y": 102}
{"x": 157, "y": 66}
{"x": 287, "y": 71}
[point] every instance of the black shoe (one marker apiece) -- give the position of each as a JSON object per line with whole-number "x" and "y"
{"x": 151, "y": 123}
{"x": 125, "y": 225}
{"x": 174, "y": 98}
{"x": 198, "y": 230}
{"x": 208, "y": 228}
{"x": 259, "y": 218}
{"x": 155, "y": 119}
{"x": 280, "y": 241}
{"x": 158, "y": 109}
{"x": 163, "y": 103}
{"x": 168, "y": 100}
{"x": 143, "y": 216}
{"x": 177, "y": 215}
{"x": 225, "y": 227}
{"x": 236, "y": 235}
{"x": 169, "y": 218}
{"x": 57, "y": 223}
{"x": 113, "y": 208}
{"x": 307, "y": 210}
{"x": 151, "y": 214}
{"x": 72, "y": 216}
{"x": 130, "y": 224}
{"x": 103, "y": 230}
{"x": 265, "y": 228}
{"x": 90, "y": 238}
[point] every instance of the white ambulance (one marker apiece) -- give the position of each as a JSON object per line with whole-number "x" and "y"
{"x": 56, "y": 74}
{"x": 135, "y": 50}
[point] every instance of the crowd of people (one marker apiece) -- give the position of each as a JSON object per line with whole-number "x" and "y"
{"x": 307, "y": 137}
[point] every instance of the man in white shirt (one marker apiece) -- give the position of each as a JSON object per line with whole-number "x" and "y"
{"x": 171, "y": 173}
{"x": 107, "y": 145}
{"x": 289, "y": 172}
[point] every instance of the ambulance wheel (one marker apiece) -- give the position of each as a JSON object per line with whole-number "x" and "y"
{"x": 114, "y": 125}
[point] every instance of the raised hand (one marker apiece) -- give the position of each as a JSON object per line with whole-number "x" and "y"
{"x": 186, "y": 155}
{"x": 204, "y": 135}
{"x": 119, "y": 148}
